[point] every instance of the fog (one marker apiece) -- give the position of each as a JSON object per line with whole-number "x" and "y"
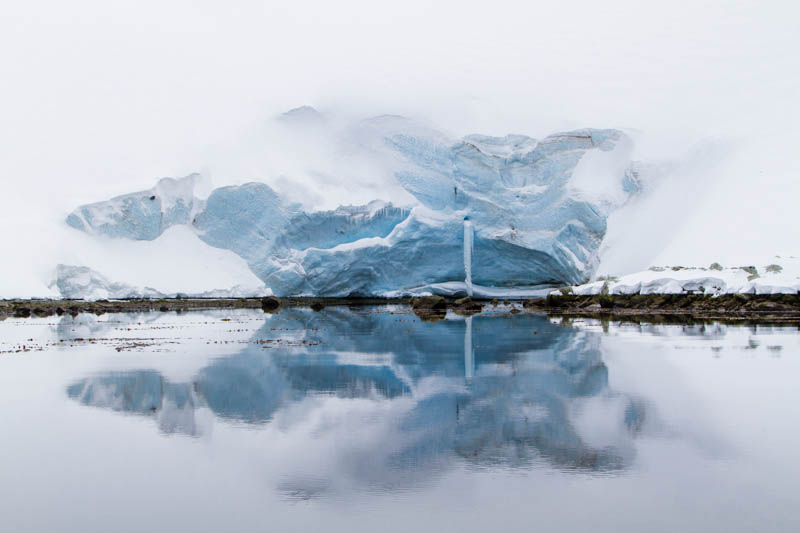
{"x": 100, "y": 98}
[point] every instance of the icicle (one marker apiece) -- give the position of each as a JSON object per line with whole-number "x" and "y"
{"x": 468, "y": 236}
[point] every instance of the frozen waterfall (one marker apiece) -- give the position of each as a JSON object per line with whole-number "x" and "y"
{"x": 468, "y": 236}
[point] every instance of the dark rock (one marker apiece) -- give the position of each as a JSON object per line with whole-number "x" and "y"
{"x": 606, "y": 301}
{"x": 430, "y": 303}
{"x": 270, "y": 303}
{"x": 317, "y": 307}
{"x": 22, "y": 312}
{"x": 553, "y": 300}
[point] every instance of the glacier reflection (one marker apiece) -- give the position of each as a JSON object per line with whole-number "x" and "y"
{"x": 485, "y": 390}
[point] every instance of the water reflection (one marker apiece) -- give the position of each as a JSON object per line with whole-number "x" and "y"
{"x": 483, "y": 391}
{"x": 469, "y": 354}
{"x": 142, "y": 392}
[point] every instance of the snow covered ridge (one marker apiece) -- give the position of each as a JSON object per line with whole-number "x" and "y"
{"x": 780, "y": 277}
{"x": 538, "y": 209}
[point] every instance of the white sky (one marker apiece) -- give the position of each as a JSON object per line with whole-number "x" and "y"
{"x": 100, "y": 98}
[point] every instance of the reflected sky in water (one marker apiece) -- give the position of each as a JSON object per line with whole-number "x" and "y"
{"x": 369, "y": 414}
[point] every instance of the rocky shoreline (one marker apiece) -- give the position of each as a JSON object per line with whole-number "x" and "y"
{"x": 761, "y": 308}
{"x": 772, "y": 308}
{"x": 43, "y": 308}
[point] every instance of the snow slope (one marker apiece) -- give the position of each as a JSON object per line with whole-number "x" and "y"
{"x": 176, "y": 262}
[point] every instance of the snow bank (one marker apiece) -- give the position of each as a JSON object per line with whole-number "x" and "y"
{"x": 779, "y": 277}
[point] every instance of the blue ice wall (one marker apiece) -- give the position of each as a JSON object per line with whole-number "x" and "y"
{"x": 532, "y": 224}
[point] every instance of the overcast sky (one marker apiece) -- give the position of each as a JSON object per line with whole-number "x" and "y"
{"x": 100, "y": 97}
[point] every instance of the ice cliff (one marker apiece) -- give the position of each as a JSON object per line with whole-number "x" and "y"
{"x": 537, "y": 215}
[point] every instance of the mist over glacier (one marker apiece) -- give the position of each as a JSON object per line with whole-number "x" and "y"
{"x": 100, "y": 101}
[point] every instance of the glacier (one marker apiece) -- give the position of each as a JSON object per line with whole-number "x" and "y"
{"x": 533, "y": 220}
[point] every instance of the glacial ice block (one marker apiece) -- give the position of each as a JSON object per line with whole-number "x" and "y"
{"x": 534, "y": 207}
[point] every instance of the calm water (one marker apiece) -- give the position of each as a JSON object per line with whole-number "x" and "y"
{"x": 368, "y": 419}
